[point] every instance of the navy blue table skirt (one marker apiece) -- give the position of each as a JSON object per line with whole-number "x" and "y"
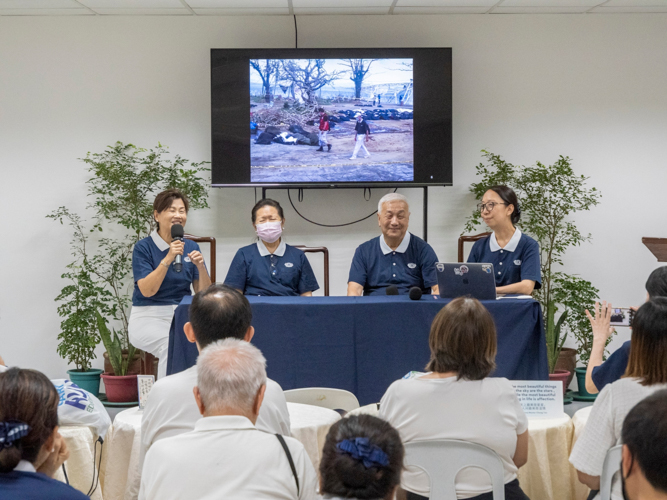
{"x": 363, "y": 344}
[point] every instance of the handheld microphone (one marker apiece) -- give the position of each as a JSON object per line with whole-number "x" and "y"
{"x": 415, "y": 293}
{"x": 392, "y": 290}
{"x": 177, "y": 234}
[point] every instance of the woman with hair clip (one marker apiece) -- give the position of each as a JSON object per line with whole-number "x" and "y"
{"x": 458, "y": 400}
{"x": 514, "y": 255}
{"x": 270, "y": 267}
{"x": 31, "y": 449}
{"x": 646, "y": 374}
{"x": 362, "y": 458}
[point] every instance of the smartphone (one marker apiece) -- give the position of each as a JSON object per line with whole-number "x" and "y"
{"x": 622, "y": 316}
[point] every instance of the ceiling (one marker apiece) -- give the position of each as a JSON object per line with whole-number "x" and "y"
{"x": 321, "y": 7}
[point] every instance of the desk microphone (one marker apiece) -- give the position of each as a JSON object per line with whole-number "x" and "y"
{"x": 392, "y": 290}
{"x": 177, "y": 234}
{"x": 415, "y": 293}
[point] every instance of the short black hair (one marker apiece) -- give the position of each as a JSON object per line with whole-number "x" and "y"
{"x": 347, "y": 477}
{"x": 656, "y": 285}
{"x": 266, "y": 202}
{"x": 645, "y": 434}
{"x": 219, "y": 312}
{"x": 508, "y": 196}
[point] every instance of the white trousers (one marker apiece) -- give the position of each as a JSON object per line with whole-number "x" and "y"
{"x": 361, "y": 139}
{"x": 148, "y": 330}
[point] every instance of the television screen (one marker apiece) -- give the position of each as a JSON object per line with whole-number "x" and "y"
{"x": 331, "y": 117}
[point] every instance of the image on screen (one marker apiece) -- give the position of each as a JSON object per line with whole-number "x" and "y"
{"x": 331, "y": 120}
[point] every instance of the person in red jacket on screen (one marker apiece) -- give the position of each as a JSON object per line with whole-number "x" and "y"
{"x": 324, "y": 129}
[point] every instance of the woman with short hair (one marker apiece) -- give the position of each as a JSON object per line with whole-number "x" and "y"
{"x": 158, "y": 286}
{"x": 646, "y": 374}
{"x": 270, "y": 266}
{"x": 362, "y": 458}
{"x": 457, "y": 399}
{"x": 515, "y": 256}
{"x": 31, "y": 448}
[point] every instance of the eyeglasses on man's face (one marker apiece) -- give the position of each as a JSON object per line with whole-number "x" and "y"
{"x": 488, "y": 206}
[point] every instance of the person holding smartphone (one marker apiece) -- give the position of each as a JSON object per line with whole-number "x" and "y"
{"x": 599, "y": 373}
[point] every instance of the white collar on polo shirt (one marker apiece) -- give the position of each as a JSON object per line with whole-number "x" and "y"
{"x": 159, "y": 242}
{"x": 25, "y": 466}
{"x": 224, "y": 422}
{"x": 280, "y": 251}
{"x": 401, "y": 248}
{"x": 511, "y": 244}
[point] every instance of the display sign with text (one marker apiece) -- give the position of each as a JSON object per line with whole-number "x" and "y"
{"x": 540, "y": 399}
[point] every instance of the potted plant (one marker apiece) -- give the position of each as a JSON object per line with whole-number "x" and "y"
{"x": 549, "y": 195}
{"x": 124, "y": 181}
{"x": 120, "y": 384}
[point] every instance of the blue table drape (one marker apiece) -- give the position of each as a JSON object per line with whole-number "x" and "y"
{"x": 363, "y": 344}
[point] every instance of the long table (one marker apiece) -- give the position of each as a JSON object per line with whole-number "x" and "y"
{"x": 363, "y": 344}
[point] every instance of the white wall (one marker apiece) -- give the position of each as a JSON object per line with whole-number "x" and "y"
{"x": 527, "y": 87}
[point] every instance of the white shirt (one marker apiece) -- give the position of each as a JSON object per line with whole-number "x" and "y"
{"x": 171, "y": 409}
{"x": 604, "y": 425}
{"x": 511, "y": 244}
{"x": 485, "y": 412}
{"x": 226, "y": 457}
{"x": 3, "y": 368}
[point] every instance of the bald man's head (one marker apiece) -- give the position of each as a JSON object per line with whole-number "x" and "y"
{"x": 219, "y": 312}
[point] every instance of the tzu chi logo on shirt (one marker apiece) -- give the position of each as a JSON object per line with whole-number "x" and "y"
{"x": 289, "y": 264}
{"x": 187, "y": 259}
{"x": 517, "y": 262}
{"x": 412, "y": 265}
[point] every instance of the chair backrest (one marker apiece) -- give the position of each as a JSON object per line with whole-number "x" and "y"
{"x": 325, "y": 251}
{"x": 211, "y": 240}
{"x": 612, "y": 464}
{"x": 325, "y": 397}
{"x": 442, "y": 459}
{"x": 468, "y": 238}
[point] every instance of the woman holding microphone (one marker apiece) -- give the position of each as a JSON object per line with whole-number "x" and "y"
{"x": 158, "y": 285}
{"x": 514, "y": 255}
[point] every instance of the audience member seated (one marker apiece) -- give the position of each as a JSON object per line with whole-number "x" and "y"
{"x": 216, "y": 313}
{"x": 601, "y": 373}
{"x": 458, "y": 400}
{"x": 396, "y": 257}
{"x": 226, "y": 456}
{"x": 646, "y": 374}
{"x": 644, "y": 435}
{"x": 31, "y": 448}
{"x": 362, "y": 458}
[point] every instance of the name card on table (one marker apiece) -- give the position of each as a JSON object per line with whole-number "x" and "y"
{"x": 144, "y": 386}
{"x": 540, "y": 399}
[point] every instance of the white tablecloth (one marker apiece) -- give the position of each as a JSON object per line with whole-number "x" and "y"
{"x": 80, "y": 442}
{"x": 547, "y": 475}
{"x": 120, "y": 467}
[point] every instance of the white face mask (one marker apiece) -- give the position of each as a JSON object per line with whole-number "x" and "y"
{"x": 269, "y": 232}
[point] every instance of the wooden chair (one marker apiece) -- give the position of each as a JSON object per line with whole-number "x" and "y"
{"x": 148, "y": 361}
{"x": 325, "y": 251}
{"x": 469, "y": 238}
{"x": 211, "y": 241}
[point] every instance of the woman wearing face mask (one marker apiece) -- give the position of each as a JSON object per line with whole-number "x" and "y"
{"x": 270, "y": 267}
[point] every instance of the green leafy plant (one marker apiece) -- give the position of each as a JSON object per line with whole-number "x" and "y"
{"x": 549, "y": 195}
{"x": 124, "y": 181}
{"x": 115, "y": 345}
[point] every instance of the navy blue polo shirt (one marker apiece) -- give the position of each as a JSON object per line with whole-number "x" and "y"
{"x": 23, "y": 485}
{"x": 376, "y": 266}
{"x": 518, "y": 261}
{"x": 285, "y": 272}
{"x": 613, "y": 368}
{"x": 146, "y": 257}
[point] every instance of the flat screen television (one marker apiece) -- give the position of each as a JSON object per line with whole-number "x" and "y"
{"x": 331, "y": 117}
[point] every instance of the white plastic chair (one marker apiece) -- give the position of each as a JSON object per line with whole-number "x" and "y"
{"x": 325, "y": 397}
{"x": 442, "y": 459}
{"x": 612, "y": 464}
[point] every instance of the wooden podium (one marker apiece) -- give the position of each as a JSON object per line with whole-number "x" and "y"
{"x": 658, "y": 247}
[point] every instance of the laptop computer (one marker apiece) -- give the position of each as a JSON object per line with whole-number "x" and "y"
{"x": 459, "y": 279}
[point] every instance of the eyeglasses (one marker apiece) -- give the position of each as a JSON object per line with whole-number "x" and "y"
{"x": 488, "y": 206}
{"x": 274, "y": 262}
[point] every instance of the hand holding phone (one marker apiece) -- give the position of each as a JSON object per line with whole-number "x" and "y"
{"x": 622, "y": 316}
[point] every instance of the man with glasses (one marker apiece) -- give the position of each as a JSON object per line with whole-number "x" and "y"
{"x": 395, "y": 258}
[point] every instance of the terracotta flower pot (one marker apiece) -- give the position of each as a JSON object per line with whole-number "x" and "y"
{"x": 567, "y": 360}
{"x": 561, "y": 375}
{"x": 135, "y": 364}
{"x": 121, "y": 389}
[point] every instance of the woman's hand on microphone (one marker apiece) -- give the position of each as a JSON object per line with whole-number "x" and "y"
{"x": 175, "y": 248}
